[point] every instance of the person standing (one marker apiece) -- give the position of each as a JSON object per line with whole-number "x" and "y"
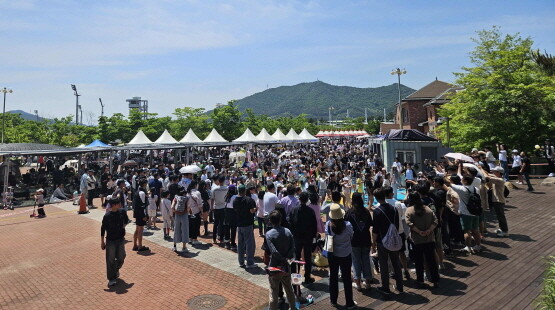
{"x": 113, "y": 227}
{"x": 361, "y": 221}
{"x": 91, "y": 186}
{"x": 290, "y": 201}
{"x": 525, "y": 170}
{"x": 503, "y": 160}
{"x": 270, "y": 200}
{"x": 281, "y": 246}
{"x": 517, "y": 163}
{"x": 194, "y": 204}
{"x": 304, "y": 229}
{"x": 218, "y": 194}
{"x": 422, "y": 222}
{"x": 342, "y": 233}
{"x": 245, "y": 207}
{"x": 498, "y": 200}
{"x": 181, "y": 213}
{"x": 139, "y": 213}
{"x": 384, "y": 216}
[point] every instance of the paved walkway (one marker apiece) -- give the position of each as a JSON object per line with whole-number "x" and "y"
{"x": 57, "y": 263}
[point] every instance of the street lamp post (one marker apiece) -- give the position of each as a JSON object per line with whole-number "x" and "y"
{"x": 76, "y": 104}
{"x": 102, "y": 107}
{"x": 399, "y": 72}
{"x": 5, "y": 91}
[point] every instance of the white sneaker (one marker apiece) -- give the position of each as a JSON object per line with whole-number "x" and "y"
{"x": 251, "y": 266}
{"x": 477, "y": 248}
{"x": 174, "y": 249}
{"x": 501, "y": 234}
{"x": 185, "y": 250}
{"x": 467, "y": 249}
{"x": 356, "y": 286}
{"x": 226, "y": 240}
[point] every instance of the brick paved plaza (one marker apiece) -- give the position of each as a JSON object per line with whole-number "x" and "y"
{"x": 57, "y": 263}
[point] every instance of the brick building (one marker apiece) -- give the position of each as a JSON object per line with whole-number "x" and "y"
{"x": 419, "y": 109}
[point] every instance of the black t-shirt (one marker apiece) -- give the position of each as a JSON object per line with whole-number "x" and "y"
{"x": 173, "y": 189}
{"x": 361, "y": 229}
{"x": 303, "y": 222}
{"x": 333, "y": 186}
{"x": 114, "y": 224}
{"x": 526, "y": 162}
{"x": 243, "y": 206}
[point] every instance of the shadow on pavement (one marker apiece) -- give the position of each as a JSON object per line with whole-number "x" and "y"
{"x": 523, "y": 238}
{"x": 121, "y": 287}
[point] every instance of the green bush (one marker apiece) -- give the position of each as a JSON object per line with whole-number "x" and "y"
{"x": 546, "y": 300}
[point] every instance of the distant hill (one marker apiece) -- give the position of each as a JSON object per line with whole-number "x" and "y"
{"x": 28, "y": 116}
{"x": 315, "y": 98}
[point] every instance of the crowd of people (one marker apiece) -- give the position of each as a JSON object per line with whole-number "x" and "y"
{"x": 334, "y": 199}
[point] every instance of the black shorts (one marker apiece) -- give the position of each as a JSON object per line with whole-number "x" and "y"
{"x": 140, "y": 222}
{"x": 205, "y": 207}
{"x": 404, "y": 238}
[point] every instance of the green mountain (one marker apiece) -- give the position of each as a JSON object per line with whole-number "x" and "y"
{"x": 315, "y": 98}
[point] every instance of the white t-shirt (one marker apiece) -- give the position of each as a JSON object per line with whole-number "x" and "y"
{"x": 401, "y": 209}
{"x": 270, "y": 201}
{"x": 464, "y": 194}
{"x": 503, "y": 155}
{"x": 152, "y": 202}
{"x": 517, "y": 161}
{"x": 229, "y": 205}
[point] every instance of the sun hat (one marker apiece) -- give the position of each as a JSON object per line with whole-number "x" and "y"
{"x": 498, "y": 169}
{"x": 336, "y": 212}
{"x": 515, "y": 151}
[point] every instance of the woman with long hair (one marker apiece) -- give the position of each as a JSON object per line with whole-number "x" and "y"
{"x": 342, "y": 233}
{"x": 181, "y": 212}
{"x": 230, "y": 219}
{"x": 205, "y": 196}
{"x": 361, "y": 221}
{"x": 422, "y": 222}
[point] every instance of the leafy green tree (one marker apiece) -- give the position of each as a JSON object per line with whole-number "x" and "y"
{"x": 190, "y": 118}
{"x": 227, "y": 120}
{"x": 506, "y": 98}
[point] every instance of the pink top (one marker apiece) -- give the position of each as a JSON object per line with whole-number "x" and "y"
{"x": 319, "y": 223}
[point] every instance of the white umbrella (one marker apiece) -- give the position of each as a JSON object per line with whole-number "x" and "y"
{"x": 190, "y": 169}
{"x": 480, "y": 174}
{"x": 285, "y": 154}
{"x": 460, "y": 156}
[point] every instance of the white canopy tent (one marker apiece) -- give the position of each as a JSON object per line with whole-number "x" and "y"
{"x": 292, "y": 135}
{"x": 306, "y": 136}
{"x": 165, "y": 138}
{"x": 140, "y": 138}
{"x": 279, "y": 136}
{"x": 190, "y": 137}
{"x": 264, "y": 136}
{"x": 214, "y": 137}
{"x": 247, "y": 136}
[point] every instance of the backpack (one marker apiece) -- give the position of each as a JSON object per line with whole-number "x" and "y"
{"x": 474, "y": 203}
{"x": 392, "y": 241}
{"x": 181, "y": 205}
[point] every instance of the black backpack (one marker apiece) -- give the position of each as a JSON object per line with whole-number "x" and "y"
{"x": 474, "y": 203}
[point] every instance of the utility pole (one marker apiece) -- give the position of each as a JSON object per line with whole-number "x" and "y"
{"x": 37, "y": 115}
{"x": 347, "y": 113}
{"x": 77, "y": 106}
{"x": 384, "y": 116}
{"x": 399, "y": 72}
{"x": 329, "y": 112}
{"x": 102, "y": 107}
{"x": 80, "y": 115}
{"x": 5, "y": 91}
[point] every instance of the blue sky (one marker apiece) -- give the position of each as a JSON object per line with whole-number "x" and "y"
{"x": 199, "y": 53}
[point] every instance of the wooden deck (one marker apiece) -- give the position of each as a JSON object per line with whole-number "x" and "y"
{"x": 506, "y": 275}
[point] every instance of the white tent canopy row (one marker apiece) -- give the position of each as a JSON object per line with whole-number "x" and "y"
{"x": 214, "y": 137}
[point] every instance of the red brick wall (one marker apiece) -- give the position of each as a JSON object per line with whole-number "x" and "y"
{"x": 417, "y": 114}
{"x": 384, "y": 128}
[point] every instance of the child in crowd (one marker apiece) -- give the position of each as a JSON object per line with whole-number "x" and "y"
{"x": 167, "y": 213}
{"x": 39, "y": 200}
{"x": 152, "y": 207}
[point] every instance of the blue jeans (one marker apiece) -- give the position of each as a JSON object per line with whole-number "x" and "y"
{"x": 245, "y": 245}
{"x": 505, "y": 166}
{"x": 361, "y": 263}
{"x": 115, "y": 256}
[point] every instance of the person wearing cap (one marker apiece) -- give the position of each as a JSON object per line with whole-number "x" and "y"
{"x": 245, "y": 207}
{"x": 113, "y": 227}
{"x": 342, "y": 233}
{"x": 517, "y": 163}
{"x": 498, "y": 200}
{"x": 503, "y": 160}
